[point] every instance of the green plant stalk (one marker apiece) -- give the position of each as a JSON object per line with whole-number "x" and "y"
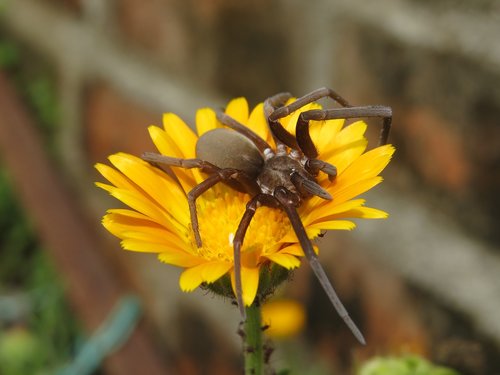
{"x": 253, "y": 343}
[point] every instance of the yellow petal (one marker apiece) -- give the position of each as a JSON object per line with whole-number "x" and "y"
{"x": 258, "y": 123}
{"x": 181, "y": 135}
{"x": 285, "y": 260}
{"x": 115, "y": 177}
{"x": 292, "y": 237}
{"x": 348, "y": 145}
{"x": 326, "y": 134}
{"x": 364, "y": 213}
{"x": 129, "y": 214}
{"x": 205, "y": 120}
{"x": 136, "y": 201}
{"x": 249, "y": 283}
{"x": 353, "y": 190}
{"x": 329, "y": 208}
{"x": 179, "y": 259}
{"x": 334, "y": 225}
{"x": 351, "y": 133}
{"x": 156, "y": 236}
{"x": 119, "y": 221}
{"x": 238, "y": 110}
{"x": 370, "y": 164}
{"x": 190, "y": 279}
{"x": 162, "y": 190}
{"x": 166, "y": 146}
{"x": 150, "y": 247}
{"x": 293, "y": 249}
{"x": 163, "y": 142}
{"x": 297, "y": 250}
{"x": 107, "y": 187}
{"x": 215, "y": 270}
{"x": 207, "y": 272}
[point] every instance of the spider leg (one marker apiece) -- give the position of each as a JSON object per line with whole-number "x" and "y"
{"x": 193, "y": 194}
{"x": 302, "y": 131}
{"x": 306, "y": 99}
{"x": 288, "y": 203}
{"x": 275, "y": 101}
{"x": 279, "y": 133}
{"x": 230, "y": 122}
{"x": 239, "y": 236}
{"x": 203, "y": 165}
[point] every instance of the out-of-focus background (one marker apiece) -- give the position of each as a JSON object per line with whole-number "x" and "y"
{"x": 82, "y": 79}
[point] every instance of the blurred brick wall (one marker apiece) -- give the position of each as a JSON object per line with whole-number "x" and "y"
{"x": 122, "y": 63}
{"x": 446, "y": 124}
{"x": 446, "y": 98}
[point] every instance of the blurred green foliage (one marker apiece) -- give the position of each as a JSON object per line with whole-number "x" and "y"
{"x": 37, "y": 328}
{"x": 292, "y": 358}
{"x": 35, "y": 81}
{"x": 9, "y": 54}
{"x": 407, "y": 365}
{"x": 38, "y": 332}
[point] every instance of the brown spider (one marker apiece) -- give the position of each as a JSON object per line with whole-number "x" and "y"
{"x": 281, "y": 177}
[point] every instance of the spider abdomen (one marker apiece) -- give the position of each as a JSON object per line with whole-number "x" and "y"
{"x": 226, "y": 148}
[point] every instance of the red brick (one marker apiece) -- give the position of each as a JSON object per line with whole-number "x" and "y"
{"x": 73, "y": 5}
{"x": 156, "y": 27}
{"x": 116, "y": 123}
{"x": 435, "y": 148}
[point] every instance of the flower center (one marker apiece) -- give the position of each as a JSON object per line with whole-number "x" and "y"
{"x": 219, "y": 213}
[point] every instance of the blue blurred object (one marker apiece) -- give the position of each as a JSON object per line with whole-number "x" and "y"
{"x": 113, "y": 332}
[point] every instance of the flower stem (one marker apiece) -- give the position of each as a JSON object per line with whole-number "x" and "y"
{"x": 253, "y": 349}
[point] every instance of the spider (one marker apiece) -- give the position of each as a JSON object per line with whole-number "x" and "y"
{"x": 282, "y": 177}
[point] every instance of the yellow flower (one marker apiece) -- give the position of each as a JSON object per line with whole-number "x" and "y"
{"x": 158, "y": 220}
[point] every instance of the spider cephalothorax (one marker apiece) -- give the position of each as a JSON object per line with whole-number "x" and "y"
{"x": 281, "y": 177}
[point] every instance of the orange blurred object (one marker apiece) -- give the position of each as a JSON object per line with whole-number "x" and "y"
{"x": 285, "y": 318}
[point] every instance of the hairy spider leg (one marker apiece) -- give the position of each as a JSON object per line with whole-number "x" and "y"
{"x": 287, "y": 202}
{"x": 281, "y": 111}
{"x": 216, "y": 175}
{"x": 306, "y": 99}
{"x": 302, "y": 131}
{"x": 204, "y": 166}
{"x": 193, "y": 194}
{"x": 239, "y": 236}
{"x": 275, "y": 101}
{"x": 279, "y": 133}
